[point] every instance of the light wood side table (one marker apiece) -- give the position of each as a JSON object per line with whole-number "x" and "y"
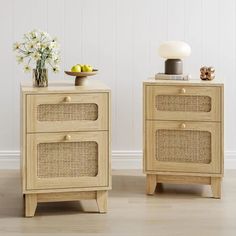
{"x": 183, "y": 133}
{"x": 65, "y": 143}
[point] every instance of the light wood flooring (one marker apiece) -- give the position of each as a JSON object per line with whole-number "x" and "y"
{"x": 177, "y": 211}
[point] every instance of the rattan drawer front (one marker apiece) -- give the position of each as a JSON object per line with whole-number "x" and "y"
{"x": 67, "y": 112}
{"x": 63, "y": 160}
{"x": 182, "y": 103}
{"x": 183, "y": 146}
{"x": 67, "y": 159}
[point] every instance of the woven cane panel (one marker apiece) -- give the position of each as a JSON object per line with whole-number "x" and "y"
{"x": 183, "y": 103}
{"x": 67, "y": 112}
{"x": 72, "y": 159}
{"x": 183, "y": 146}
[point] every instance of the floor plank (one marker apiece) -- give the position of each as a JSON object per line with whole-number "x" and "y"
{"x": 177, "y": 210}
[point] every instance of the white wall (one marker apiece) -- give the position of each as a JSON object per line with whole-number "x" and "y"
{"x": 120, "y": 38}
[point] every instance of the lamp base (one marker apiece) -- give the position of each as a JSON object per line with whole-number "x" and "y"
{"x": 173, "y": 67}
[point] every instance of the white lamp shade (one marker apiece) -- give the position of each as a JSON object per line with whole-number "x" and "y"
{"x": 174, "y": 50}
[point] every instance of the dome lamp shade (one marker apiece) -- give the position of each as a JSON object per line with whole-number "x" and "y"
{"x": 174, "y": 51}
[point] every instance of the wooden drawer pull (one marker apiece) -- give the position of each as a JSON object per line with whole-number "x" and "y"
{"x": 67, "y": 137}
{"x": 183, "y": 126}
{"x": 67, "y": 99}
{"x": 183, "y": 91}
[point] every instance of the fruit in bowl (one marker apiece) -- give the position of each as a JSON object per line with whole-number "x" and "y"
{"x": 81, "y": 73}
{"x": 87, "y": 68}
{"x": 81, "y": 68}
{"x": 76, "y": 68}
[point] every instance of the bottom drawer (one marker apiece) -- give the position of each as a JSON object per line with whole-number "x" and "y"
{"x": 183, "y": 146}
{"x": 67, "y": 160}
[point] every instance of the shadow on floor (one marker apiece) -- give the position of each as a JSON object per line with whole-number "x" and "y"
{"x": 123, "y": 186}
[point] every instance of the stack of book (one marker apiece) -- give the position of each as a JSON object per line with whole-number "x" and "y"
{"x": 161, "y": 76}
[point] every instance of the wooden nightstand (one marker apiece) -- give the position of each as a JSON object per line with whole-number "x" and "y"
{"x": 183, "y": 133}
{"x": 65, "y": 143}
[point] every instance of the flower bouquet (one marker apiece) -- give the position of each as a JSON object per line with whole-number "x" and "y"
{"x": 41, "y": 49}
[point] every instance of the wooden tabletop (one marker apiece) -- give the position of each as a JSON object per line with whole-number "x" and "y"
{"x": 199, "y": 82}
{"x": 67, "y": 86}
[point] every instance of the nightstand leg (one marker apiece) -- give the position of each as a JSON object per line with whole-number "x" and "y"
{"x": 102, "y": 201}
{"x": 151, "y": 184}
{"x": 30, "y": 204}
{"x": 216, "y": 187}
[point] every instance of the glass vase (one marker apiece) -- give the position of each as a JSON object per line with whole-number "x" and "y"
{"x": 40, "y": 77}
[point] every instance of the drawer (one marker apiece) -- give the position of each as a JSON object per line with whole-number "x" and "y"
{"x": 183, "y": 146}
{"x": 67, "y": 112}
{"x": 67, "y": 160}
{"x": 183, "y": 103}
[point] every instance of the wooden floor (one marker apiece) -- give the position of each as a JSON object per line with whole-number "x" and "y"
{"x": 177, "y": 211}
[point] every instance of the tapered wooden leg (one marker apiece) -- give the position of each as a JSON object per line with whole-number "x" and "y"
{"x": 216, "y": 187}
{"x": 102, "y": 201}
{"x": 151, "y": 184}
{"x": 159, "y": 186}
{"x": 30, "y": 204}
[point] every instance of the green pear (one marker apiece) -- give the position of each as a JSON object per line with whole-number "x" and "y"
{"x": 87, "y": 68}
{"x": 76, "y": 68}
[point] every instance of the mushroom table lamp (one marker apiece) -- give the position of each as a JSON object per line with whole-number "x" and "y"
{"x": 174, "y": 51}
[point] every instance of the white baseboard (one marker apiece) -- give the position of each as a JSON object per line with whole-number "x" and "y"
{"x": 120, "y": 159}
{"x": 9, "y": 160}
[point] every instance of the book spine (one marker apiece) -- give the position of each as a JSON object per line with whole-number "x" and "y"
{"x": 170, "y": 77}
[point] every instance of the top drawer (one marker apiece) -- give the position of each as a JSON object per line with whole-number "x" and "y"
{"x": 183, "y": 103}
{"x": 67, "y": 112}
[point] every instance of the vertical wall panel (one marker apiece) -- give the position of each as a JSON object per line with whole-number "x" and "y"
{"x": 194, "y": 36}
{"x": 73, "y": 10}
{"x": 55, "y": 27}
{"x": 226, "y": 67}
{"x": 176, "y": 20}
{"x": 107, "y": 55}
{"x": 140, "y": 65}
{"x": 121, "y": 38}
{"x": 6, "y": 91}
{"x": 124, "y": 74}
{"x": 210, "y": 30}
{"x": 157, "y": 33}
{"x": 90, "y": 32}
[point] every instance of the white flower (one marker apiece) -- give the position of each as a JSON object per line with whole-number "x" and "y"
{"x": 55, "y": 69}
{"x": 31, "y": 45}
{"x": 56, "y": 61}
{"x": 38, "y": 45}
{"x": 28, "y": 53}
{"x": 27, "y": 68}
{"x": 45, "y": 34}
{"x": 36, "y": 56}
{"x": 16, "y": 46}
{"x": 53, "y": 45}
{"x": 43, "y": 45}
{"x": 19, "y": 59}
{"x": 34, "y": 34}
{"x": 54, "y": 56}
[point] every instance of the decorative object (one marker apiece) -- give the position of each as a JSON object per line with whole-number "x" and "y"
{"x": 183, "y": 133}
{"x": 161, "y": 76}
{"x": 207, "y": 73}
{"x": 40, "y": 77}
{"x": 81, "y": 78}
{"x": 65, "y": 143}
{"x": 174, "y": 51}
{"x": 39, "y": 48}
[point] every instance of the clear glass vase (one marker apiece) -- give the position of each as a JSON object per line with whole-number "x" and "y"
{"x": 40, "y": 77}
